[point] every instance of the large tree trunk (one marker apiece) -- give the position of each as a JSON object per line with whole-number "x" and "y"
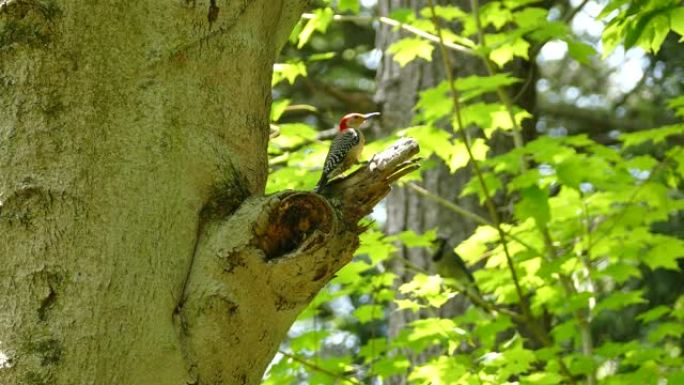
{"x": 398, "y": 90}
{"x": 136, "y": 245}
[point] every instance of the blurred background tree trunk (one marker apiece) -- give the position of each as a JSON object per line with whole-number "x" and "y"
{"x": 398, "y": 89}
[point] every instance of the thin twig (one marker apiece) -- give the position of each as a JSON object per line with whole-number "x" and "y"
{"x": 534, "y": 50}
{"x": 585, "y": 256}
{"x": 301, "y": 107}
{"x": 637, "y": 87}
{"x": 500, "y": 91}
{"x": 395, "y": 23}
{"x": 450, "y": 205}
{"x": 317, "y": 368}
{"x": 327, "y": 134}
{"x": 535, "y": 327}
{"x": 568, "y": 18}
{"x": 468, "y": 214}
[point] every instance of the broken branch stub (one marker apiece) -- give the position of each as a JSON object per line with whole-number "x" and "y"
{"x": 356, "y": 195}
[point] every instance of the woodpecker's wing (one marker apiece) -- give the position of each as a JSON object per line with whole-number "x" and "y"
{"x": 340, "y": 148}
{"x": 450, "y": 265}
{"x": 462, "y": 267}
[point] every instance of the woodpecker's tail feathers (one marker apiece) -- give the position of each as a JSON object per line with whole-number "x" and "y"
{"x": 321, "y": 183}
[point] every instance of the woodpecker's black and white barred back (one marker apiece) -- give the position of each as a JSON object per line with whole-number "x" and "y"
{"x": 338, "y": 158}
{"x": 345, "y": 148}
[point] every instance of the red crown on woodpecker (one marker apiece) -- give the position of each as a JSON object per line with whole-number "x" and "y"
{"x": 355, "y": 120}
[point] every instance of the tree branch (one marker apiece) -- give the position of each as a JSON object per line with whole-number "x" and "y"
{"x": 314, "y": 367}
{"x": 394, "y": 23}
{"x": 327, "y": 134}
{"x": 467, "y": 214}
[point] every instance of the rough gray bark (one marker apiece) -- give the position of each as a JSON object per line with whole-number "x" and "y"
{"x": 136, "y": 245}
{"x": 398, "y": 90}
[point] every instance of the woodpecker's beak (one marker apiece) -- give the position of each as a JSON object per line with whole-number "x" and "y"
{"x": 371, "y": 115}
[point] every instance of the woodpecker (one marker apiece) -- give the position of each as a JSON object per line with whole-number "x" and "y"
{"x": 345, "y": 148}
{"x": 450, "y": 265}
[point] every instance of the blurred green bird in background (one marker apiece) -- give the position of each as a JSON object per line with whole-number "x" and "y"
{"x": 450, "y": 265}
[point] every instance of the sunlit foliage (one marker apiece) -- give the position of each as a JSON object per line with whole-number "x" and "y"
{"x": 563, "y": 290}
